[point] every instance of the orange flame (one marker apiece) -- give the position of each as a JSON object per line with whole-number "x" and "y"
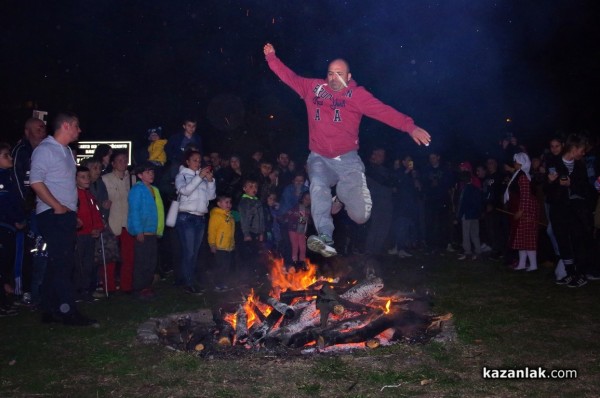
{"x": 250, "y": 304}
{"x": 387, "y": 307}
{"x": 282, "y": 281}
{"x": 231, "y": 319}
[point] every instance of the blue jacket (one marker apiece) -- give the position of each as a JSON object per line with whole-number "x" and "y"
{"x": 469, "y": 204}
{"x": 146, "y": 213}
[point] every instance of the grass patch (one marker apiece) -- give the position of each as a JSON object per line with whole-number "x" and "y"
{"x": 502, "y": 319}
{"x": 310, "y": 389}
{"x": 331, "y": 368}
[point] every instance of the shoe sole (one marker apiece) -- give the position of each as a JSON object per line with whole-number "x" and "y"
{"x": 578, "y": 285}
{"x": 316, "y": 245}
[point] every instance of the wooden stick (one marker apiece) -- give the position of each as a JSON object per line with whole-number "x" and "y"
{"x": 513, "y": 214}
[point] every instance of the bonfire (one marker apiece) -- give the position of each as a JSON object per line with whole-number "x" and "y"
{"x": 305, "y": 311}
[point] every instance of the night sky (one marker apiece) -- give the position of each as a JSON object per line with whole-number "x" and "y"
{"x": 459, "y": 68}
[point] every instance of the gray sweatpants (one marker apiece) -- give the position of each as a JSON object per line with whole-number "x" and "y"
{"x": 470, "y": 233}
{"x": 347, "y": 171}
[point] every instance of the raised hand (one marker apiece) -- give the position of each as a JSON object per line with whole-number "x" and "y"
{"x": 268, "y": 49}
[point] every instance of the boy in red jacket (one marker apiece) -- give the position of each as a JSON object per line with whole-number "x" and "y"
{"x": 89, "y": 227}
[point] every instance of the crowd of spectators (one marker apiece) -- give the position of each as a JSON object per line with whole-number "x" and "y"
{"x": 513, "y": 207}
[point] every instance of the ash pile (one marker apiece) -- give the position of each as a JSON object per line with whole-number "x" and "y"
{"x": 303, "y": 313}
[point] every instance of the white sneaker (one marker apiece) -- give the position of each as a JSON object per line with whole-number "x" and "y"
{"x": 449, "y": 248}
{"x": 404, "y": 254}
{"x": 393, "y": 251}
{"x": 321, "y": 244}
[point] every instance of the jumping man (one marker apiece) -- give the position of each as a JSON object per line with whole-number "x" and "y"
{"x": 335, "y": 107}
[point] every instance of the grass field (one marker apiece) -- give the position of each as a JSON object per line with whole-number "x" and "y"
{"x": 502, "y": 319}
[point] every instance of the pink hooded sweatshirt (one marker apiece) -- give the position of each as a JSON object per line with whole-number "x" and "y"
{"x": 334, "y": 116}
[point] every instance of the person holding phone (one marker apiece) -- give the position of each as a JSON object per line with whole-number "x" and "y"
{"x": 195, "y": 188}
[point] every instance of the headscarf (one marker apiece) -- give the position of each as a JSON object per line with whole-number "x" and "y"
{"x": 525, "y": 163}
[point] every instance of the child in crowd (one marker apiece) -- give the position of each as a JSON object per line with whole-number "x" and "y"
{"x": 145, "y": 221}
{"x": 272, "y": 227}
{"x": 97, "y": 186}
{"x": 109, "y": 245}
{"x": 157, "y": 154}
{"x": 156, "y": 149}
{"x": 252, "y": 223}
{"x": 297, "y": 219}
{"x": 89, "y": 227}
{"x": 118, "y": 184}
{"x": 469, "y": 211}
{"x": 12, "y": 219}
{"x": 221, "y": 232}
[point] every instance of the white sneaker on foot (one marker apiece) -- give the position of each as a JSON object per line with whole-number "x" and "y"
{"x": 321, "y": 244}
{"x": 404, "y": 253}
{"x": 393, "y": 251}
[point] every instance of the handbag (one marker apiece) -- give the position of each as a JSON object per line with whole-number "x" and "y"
{"x": 171, "y": 219}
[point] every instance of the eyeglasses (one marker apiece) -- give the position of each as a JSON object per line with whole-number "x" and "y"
{"x": 5, "y": 155}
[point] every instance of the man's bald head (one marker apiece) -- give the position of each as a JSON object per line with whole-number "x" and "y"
{"x": 35, "y": 131}
{"x": 338, "y": 74}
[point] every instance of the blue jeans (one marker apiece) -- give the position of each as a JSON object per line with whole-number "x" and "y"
{"x": 190, "y": 229}
{"x": 401, "y": 232}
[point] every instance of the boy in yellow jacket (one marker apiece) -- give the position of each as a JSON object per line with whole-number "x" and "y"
{"x": 156, "y": 148}
{"x": 221, "y": 231}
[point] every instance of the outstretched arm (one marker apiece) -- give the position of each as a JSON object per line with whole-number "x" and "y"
{"x": 420, "y": 136}
{"x": 299, "y": 84}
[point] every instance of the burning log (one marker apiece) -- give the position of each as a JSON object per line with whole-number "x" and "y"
{"x": 292, "y": 294}
{"x": 198, "y": 336}
{"x": 284, "y": 309}
{"x": 224, "y": 330}
{"x": 307, "y": 318}
{"x": 363, "y": 293}
{"x": 328, "y": 302}
{"x": 259, "y": 314}
{"x": 241, "y": 325}
{"x": 372, "y": 329}
{"x": 265, "y": 327}
{"x": 310, "y": 334}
